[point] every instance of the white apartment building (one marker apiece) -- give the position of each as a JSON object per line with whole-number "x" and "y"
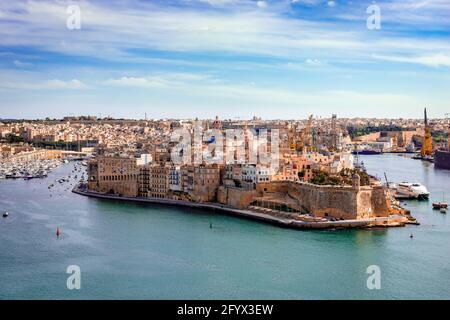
{"x": 262, "y": 174}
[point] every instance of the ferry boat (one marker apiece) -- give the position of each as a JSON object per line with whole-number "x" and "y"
{"x": 406, "y": 190}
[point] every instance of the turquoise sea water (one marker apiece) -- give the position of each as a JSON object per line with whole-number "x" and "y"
{"x": 130, "y": 251}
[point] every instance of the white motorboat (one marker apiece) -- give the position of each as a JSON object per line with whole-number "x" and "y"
{"x": 407, "y": 190}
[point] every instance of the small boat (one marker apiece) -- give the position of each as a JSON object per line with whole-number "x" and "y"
{"x": 440, "y": 205}
{"x": 5, "y": 214}
{"x": 367, "y": 151}
{"x": 423, "y": 158}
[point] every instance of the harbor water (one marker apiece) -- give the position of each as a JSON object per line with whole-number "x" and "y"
{"x": 135, "y": 251}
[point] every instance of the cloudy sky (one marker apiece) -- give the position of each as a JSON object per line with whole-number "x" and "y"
{"x": 234, "y": 58}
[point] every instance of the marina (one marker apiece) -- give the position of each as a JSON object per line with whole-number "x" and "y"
{"x": 35, "y": 169}
{"x": 28, "y": 170}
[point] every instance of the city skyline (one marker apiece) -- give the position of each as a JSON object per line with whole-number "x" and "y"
{"x": 100, "y": 117}
{"x": 281, "y": 59}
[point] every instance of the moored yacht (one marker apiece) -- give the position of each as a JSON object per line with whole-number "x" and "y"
{"x": 407, "y": 190}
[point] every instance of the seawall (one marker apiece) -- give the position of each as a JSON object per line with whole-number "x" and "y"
{"x": 247, "y": 214}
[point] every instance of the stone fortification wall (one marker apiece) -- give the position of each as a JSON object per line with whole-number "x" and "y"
{"x": 235, "y": 197}
{"x": 340, "y": 202}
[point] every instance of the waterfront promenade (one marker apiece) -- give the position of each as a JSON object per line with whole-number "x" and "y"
{"x": 392, "y": 221}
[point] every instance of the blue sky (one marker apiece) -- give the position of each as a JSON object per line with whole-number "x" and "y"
{"x": 277, "y": 59}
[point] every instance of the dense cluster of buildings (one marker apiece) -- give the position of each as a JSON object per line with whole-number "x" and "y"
{"x": 151, "y": 171}
{"x": 285, "y": 192}
{"x": 153, "y": 174}
{"x": 128, "y": 135}
{"x": 135, "y": 158}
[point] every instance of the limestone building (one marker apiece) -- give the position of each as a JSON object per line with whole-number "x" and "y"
{"x": 154, "y": 181}
{"x": 201, "y": 182}
{"x": 113, "y": 175}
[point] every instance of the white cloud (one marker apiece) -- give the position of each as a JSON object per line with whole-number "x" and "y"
{"x": 200, "y": 92}
{"x": 436, "y": 60}
{"x": 21, "y": 64}
{"x": 162, "y": 80}
{"x": 43, "y": 85}
{"x": 313, "y": 62}
{"x": 142, "y": 82}
{"x": 218, "y": 2}
{"x": 112, "y": 31}
{"x": 261, "y": 4}
{"x": 421, "y": 4}
{"x": 270, "y": 101}
{"x": 211, "y": 89}
{"x": 307, "y": 2}
{"x": 61, "y": 84}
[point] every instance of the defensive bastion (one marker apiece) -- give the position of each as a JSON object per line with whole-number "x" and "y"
{"x": 340, "y": 202}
